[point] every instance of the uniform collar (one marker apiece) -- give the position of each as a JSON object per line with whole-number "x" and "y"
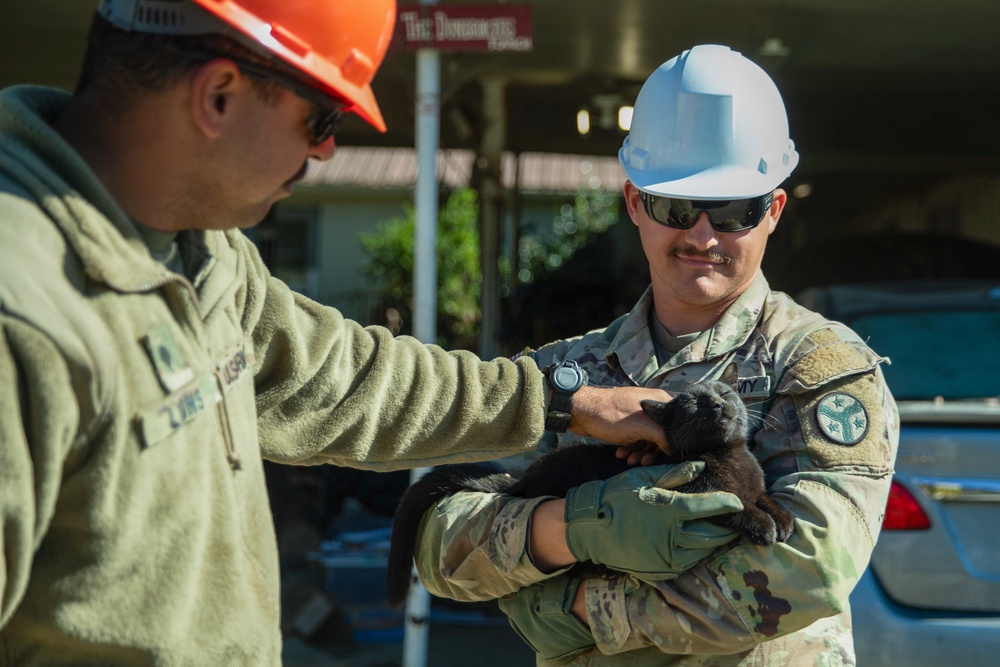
{"x": 629, "y": 350}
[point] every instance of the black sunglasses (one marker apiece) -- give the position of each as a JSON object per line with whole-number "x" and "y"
{"x": 324, "y": 120}
{"x": 734, "y": 215}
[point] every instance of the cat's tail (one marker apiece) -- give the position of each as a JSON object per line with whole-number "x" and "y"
{"x": 420, "y": 497}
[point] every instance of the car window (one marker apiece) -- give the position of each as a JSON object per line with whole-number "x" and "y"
{"x": 952, "y": 354}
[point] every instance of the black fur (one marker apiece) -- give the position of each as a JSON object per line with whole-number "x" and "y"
{"x": 706, "y": 423}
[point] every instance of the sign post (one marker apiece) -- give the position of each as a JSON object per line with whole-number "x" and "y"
{"x": 465, "y": 28}
{"x": 429, "y": 29}
{"x": 428, "y": 120}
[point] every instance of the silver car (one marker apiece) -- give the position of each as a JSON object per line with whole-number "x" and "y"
{"x": 931, "y": 595}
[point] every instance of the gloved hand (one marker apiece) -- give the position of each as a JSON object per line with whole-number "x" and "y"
{"x": 540, "y": 615}
{"x": 633, "y": 523}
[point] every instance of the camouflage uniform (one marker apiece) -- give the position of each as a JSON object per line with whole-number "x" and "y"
{"x": 825, "y": 431}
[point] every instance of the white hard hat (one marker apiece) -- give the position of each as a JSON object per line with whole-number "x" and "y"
{"x": 709, "y": 125}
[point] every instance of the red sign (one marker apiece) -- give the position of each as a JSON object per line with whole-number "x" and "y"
{"x": 464, "y": 27}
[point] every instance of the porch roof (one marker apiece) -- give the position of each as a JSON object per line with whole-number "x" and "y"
{"x": 393, "y": 168}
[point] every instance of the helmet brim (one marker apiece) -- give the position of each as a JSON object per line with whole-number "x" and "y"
{"x": 716, "y": 183}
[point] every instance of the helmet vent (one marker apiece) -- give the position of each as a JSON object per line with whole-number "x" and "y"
{"x": 156, "y": 16}
{"x": 762, "y": 166}
{"x": 639, "y": 158}
{"x": 357, "y": 67}
{"x": 159, "y": 17}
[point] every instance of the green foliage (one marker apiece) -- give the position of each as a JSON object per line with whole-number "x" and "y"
{"x": 391, "y": 246}
{"x": 573, "y": 227}
{"x": 391, "y": 250}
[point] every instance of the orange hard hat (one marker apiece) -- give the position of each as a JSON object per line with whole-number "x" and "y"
{"x": 338, "y": 43}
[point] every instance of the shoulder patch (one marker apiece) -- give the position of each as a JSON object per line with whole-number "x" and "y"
{"x": 842, "y": 418}
{"x": 844, "y": 424}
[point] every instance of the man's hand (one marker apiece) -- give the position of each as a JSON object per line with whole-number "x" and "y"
{"x": 632, "y": 522}
{"x": 613, "y": 414}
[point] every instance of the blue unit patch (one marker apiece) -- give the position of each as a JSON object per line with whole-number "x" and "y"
{"x": 842, "y": 418}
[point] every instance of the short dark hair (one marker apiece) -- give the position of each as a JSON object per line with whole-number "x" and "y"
{"x": 127, "y": 65}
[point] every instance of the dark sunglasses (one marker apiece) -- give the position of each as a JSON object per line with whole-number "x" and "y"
{"x": 325, "y": 118}
{"x": 734, "y": 215}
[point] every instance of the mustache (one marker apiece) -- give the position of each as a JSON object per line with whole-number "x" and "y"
{"x": 710, "y": 255}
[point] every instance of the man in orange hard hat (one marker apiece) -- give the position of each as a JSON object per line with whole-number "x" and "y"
{"x": 149, "y": 362}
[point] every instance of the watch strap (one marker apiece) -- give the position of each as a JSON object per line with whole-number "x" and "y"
{"x": 559, "y": 412}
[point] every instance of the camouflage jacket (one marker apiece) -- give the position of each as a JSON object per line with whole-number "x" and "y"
{"x": 825, "y": 430}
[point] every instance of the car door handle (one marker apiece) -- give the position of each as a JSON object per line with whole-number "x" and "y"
{"x": 960, "y": 490}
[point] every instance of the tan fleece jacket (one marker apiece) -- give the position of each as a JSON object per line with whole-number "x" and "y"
{"x": 135, "y": 408}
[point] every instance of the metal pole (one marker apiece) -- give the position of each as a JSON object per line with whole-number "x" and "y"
{"x": 426, "y": 196}
{"x": 491, "y": 149}
{"x": 428, "y": 120}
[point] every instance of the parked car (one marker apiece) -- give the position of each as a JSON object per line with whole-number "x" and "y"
{"x": 931, "y": 595}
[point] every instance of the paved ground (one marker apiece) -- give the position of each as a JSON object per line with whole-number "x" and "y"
{"x": 333, "y": 600}
{"x": 450, "y": 645}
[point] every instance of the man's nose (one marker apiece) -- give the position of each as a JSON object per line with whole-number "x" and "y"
{"x": 324, "y": 150}
{"x": 702, "y": 233}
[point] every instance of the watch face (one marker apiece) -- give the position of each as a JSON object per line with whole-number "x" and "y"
{"x": 567, "y": 378}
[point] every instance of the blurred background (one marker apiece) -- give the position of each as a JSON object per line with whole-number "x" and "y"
{"x": 893, "y": 106}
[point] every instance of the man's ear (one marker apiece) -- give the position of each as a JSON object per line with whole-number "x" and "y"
{"x": 633, "y": 202}
{"x": 778, "y": 201}
{"x": 215, "y": 86}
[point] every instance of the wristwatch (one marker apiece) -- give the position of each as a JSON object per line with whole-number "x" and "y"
{"x": 565, "y": 379}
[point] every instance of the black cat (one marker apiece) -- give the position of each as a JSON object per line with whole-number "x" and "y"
{"x": 708, "y": 422}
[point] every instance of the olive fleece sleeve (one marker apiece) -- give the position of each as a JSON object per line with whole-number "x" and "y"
{"x": 39, "y": 419}
{"x": 332, "y": 391}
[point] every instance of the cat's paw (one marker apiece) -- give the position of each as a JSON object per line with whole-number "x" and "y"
{"x": 784, "y": 524}
{"x": 762, "y": 530}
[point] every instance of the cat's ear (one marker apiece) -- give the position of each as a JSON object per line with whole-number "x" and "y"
{"x": 658, "y": 410}
{"x": 731, "y": 376}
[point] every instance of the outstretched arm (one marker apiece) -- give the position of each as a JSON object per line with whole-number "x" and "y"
{"x": 331, "y": 391}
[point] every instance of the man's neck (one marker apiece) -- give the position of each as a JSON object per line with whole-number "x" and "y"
{"x": 121, "y": 153}
{"x": 686, "y": 319}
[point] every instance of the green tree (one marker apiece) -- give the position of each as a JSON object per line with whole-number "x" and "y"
{"x": 391, "y": 249}
{"x": 573, "y": 227}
